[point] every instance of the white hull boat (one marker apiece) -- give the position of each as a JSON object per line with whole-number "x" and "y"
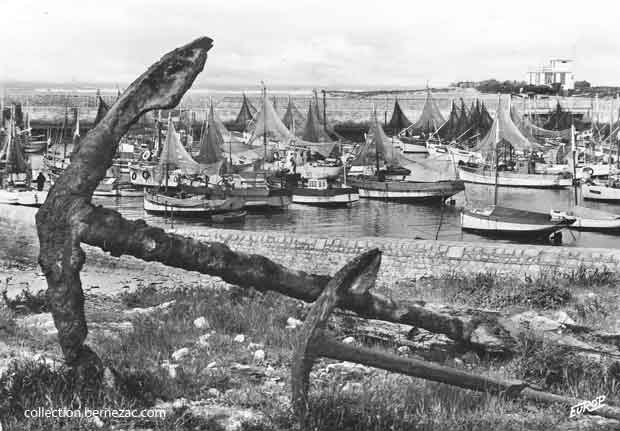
{"x": 411, "y": 148}
{"x": 511, "y": 223}
{"x": 588, "y": 219}
{"x": 512, "y": 179}
{"x": 197, "y": 206}
{"x": 311, "y": 170}
{"x": 319, "y": 192}
{"x": 600, "y": 192}
{"x": 412, "y": 191}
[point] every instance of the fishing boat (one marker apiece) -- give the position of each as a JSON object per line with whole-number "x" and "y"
{"x": 512, "y": 223}
{"x": 414, "y": 145}
{"x": 170, "y": 202}
{"x": 583, "y": 218}
{"x": 15, "y": 174}
{"x": 256, "y": 191}
{"x": 598, "y": 191}
{"x": 324, "y": 192}
{"x": 511, "y": 170}
{"x": 389, "y": 182}
{"x": 252, "y": 187}
{"x": 503, "y": 222}
{"x": 179, "y": 204}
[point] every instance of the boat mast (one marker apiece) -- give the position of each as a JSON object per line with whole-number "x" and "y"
{"x": 264, "y": 125}
{"x": 9, "y": 143}
{"x": 376, "y": 147}
{"x": 611, "y": 125}
{"x": 499, "y": 101}
{"x": 167, "y": 168}
{"x": 573, "y": 152}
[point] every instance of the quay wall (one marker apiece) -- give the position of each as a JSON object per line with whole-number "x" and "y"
{"x": 402, "y": 258}
{"x": 412, "y": 259}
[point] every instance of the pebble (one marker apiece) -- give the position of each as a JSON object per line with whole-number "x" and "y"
{"x": 259, "y": 355}
{"x": 201, "y": 323}
{"x": 214, "y": 392}
{"x": 404, "y": 349}
{"x": 211, "y": 364}
{"x": 349, "y": 340}
{"x": 203, "y": 340}
{"x": 240, "y": 338}
{"x": 292, "y": 323}
{"x": 180, "y": 354}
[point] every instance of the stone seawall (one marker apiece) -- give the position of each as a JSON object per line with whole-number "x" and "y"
{"x": 408, "y": 258}
{"x": 402, "y": 258}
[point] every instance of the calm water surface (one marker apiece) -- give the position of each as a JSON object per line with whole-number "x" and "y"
{"x": 389, "y": 219}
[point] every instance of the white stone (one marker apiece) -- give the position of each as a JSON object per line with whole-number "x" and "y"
{"x": 404, "y": 349}
{"x": 203, "y": 340}
{"x": 349, "y": 340}
{"x": 255, "y": 346}
{"x": 174, "y": 370}
{"x": 292, "y": 323}
{"x": 239, "y": 338}
{"x": 201, "y": 323}
{"x": 259, "y": 355}
{"x": 180, "y": 354}
{"x": 212, "y": 365}
{"x": 213, "y": 392}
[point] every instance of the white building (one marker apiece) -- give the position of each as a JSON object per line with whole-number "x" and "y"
{"x": 559, "y": 71}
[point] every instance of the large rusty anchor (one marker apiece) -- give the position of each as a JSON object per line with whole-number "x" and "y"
{"x": 354, "y": 281}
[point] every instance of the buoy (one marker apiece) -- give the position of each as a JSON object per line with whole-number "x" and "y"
{"x": 134, "y": 176}
{"x": 145, "y": 175}
{"x": 146, "y": 155}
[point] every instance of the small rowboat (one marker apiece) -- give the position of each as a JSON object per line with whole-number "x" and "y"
{"x": 230, "y": 217}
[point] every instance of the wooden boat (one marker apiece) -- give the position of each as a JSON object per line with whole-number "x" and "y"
{"x": 413, "y": 145}
{"x": 600, "y": 192}
{"x": 503, "y": 222}
{"x": 588, "y": 219}
{"x": 229, "y": 217}
{"x": 321, "y": 192}
{"x": 457, "y": 155}
{"x": 256, "y": 191}
{"x": 328, "y": 168}
{"x": 521, "y": 225}
{"x": 194, "y": 205}
{"x": 410, "y": 191}
{"x": 514, "y": 179}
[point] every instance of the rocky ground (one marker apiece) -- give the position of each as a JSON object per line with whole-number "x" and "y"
{"x": 213, "y": 356}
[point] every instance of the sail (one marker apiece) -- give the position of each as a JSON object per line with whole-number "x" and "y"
{"x": 13, "y": 153}
{"x": 246, "y": 114}
{"x": 449, "y": 130}
{"x": 293, "y": 119}
{"x": 559, "y": 119}
{"x": 431, "y": 119}
{"x": 377, "y": 145}
{"x": 268, "y": 125}
{"x": 173, "y": 155}
{"x": 399, "y": 120}
{"x": 76, "y": 133}
{"x": 102, "y": 109}
{"x": 508, "y": 133}
{"x": 211, "y": 142}
{"x": 530, "y": 129}
{"x": 314, "y": 130}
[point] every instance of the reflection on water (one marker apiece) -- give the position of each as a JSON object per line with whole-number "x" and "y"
{"x": 390, "y": 219}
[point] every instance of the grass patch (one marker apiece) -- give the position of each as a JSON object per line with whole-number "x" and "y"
{"x": 381, "y": 401}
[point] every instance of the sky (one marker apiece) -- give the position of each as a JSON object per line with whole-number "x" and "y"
{"x": 300, "y": 43}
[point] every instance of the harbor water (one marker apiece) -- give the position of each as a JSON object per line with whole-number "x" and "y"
{"x": 389, "y": 219}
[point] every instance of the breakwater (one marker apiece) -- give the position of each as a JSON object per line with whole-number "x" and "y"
{"x": 402, "y": 258}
